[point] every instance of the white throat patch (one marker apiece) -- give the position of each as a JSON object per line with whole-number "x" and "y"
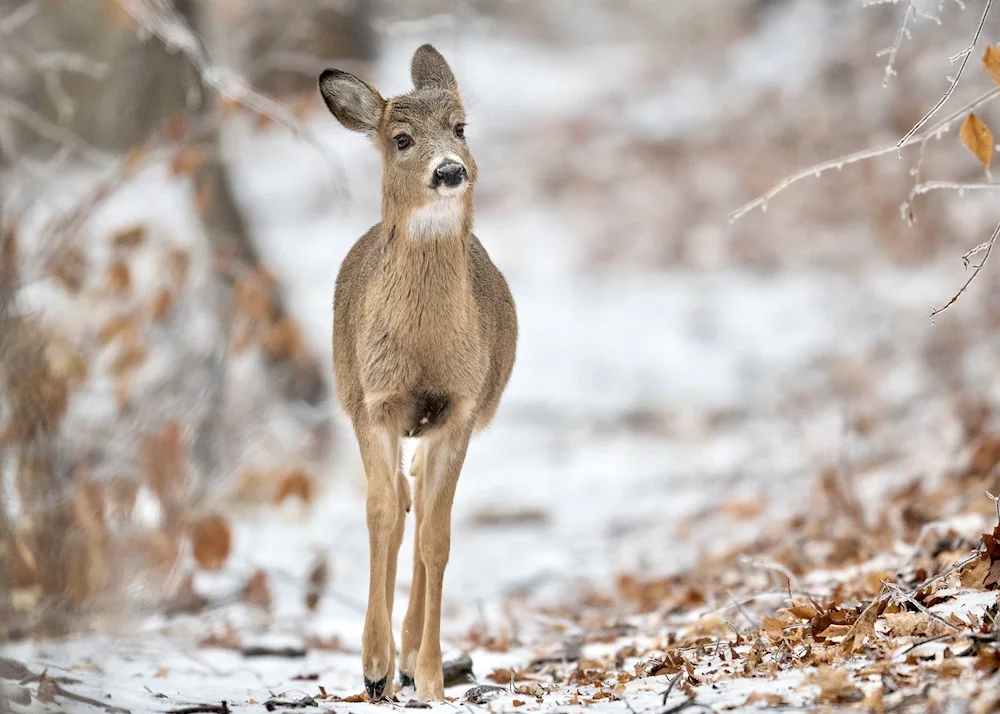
{"x": 440, "y": 217}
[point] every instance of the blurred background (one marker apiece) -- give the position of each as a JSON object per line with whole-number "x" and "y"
{"x": 176, "y": 202}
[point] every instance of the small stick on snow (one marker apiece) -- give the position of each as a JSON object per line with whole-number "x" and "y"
{"x": 221, "y": 708}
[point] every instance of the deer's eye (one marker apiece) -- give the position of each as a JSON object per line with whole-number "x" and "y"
{"x": 403, "y": 141}
{"x": 460, "y": 130}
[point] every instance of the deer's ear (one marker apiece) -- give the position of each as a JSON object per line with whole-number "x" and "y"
{"x": 429, "y": 70}
{"x": 356, "y": 104}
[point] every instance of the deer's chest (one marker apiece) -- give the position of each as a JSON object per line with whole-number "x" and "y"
{"x": 420, "y": 334}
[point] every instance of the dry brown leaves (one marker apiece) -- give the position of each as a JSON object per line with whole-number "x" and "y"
{"x": 984, "y": 572}
{"x": 294, "y": 484}
{"x": 316, "y": 583}
{"x": 211, "y": 541}
{"x": 257, "y": 591}
{"x": 835, "y": 686}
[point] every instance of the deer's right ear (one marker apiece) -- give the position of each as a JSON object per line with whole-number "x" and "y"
{"x": 355, "y": 103}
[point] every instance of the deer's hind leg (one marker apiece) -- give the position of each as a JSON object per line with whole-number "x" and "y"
{"x": 380, "y": 454}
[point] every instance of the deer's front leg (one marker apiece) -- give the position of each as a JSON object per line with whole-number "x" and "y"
{"x": 379, "y": 450}
{"x": 446, "y": 454}
{"x": 413, "y": 623}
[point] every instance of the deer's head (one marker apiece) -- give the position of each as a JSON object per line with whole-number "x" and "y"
{"x": 427, "y": 169}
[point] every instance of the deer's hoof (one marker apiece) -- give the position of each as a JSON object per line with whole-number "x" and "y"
{"x": 375, "y": 689}
{"x": 405, "y": 680}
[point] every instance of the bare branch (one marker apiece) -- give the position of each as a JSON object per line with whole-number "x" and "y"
{"x": 988, "y": 247}
{"x": 45, "y": 128}
{"x": 964, "y": 55}
{"x": 20, "y": 17}
{"x": 934, "y": 132}
{"x": 928, "y": 186}
{"x": 901, "y": 34}
{"x": 157, "y": 17}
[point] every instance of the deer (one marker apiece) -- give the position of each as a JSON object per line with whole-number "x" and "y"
{"x": 424, "y": 340}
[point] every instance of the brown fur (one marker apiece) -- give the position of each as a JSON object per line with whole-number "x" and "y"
{"x": 424, "y": 336}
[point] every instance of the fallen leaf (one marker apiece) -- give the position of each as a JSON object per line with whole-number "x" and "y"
{"x": 134, "y": 159}
{"x": 768, "y": 699}
{"x": 186, "y": 161}
{"x": 161, "y": 304}
{"x": 834, "y": 685}
{"x": 162, "y": 673}
{"x": 319, "y": 576}
{"x": 977, "y": 138}
{"x": 46, "y": 690}
{"x": 775, "y": 627}
{"x": 257, "y": 592}
{"x": 861, "y": 630}
{"x": 118, "y": 278}
{"x": 974, "y": 574}
{"x": 803, "y": 612}
{"x": 69, "y": 267}
{"x": 211, "y": 541}
{"x": 128, "y": 238}
{"x": 741, "y": 509}
{"x": 294, "y": 484}
{"x": 910, "y": 624}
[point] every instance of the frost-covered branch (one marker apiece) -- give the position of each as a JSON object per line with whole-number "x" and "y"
{"x": 816, "y": 170}
{"x": 988, "y": 248}
{"x": 902, "y": 33}
{"x": 964, "y": 56}
{"x": 159, "y": 18}
{"x": 62, "y": 136}
{"x": 957, "y": 186}
{"x": 51, "y": 66}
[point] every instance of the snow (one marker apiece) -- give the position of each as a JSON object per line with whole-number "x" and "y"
{"x": 719, "y": 369}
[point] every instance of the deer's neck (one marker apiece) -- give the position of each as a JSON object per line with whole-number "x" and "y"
{"x": 441, "y": 219}
{"x": 426, "y": 249}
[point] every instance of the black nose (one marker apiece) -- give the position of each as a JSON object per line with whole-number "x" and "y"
{"x": 450, "y": 173}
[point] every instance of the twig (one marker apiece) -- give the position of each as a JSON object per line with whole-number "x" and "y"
{"x": 928, "y": 186}
{"x": 264, "y": 651}
{"x": 910, "y": 699}
{"x": 156, "y": 18}
{"x": 20, "y": 17}
{"x": 816, "y": 170}
{"x": 742, "y": 611}
{"x": 66, "y": 694}
{"x": 46, "y": 129}
{"x": 902, "y": 33}
{"x": 964, "y": 55}
{"x": 944, "y": 573}
{"x": 988, "y": 246}
{"x": 902, "y": 594}
{"x": 625, "y": 701}
{"x": 307, "y": 701}
{"x": 670, "y": 687}
{"x": 974, "y": 636}
{"x": 687, "y": 705}
{"x": 222, "y": 708}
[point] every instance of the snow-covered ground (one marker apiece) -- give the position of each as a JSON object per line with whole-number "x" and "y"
{"x": 643, "y": 408}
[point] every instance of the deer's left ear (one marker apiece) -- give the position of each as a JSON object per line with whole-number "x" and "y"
{"x": 429, "y": 70}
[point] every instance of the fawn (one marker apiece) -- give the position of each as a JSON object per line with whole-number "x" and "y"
{"x": 424, "y": 337}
